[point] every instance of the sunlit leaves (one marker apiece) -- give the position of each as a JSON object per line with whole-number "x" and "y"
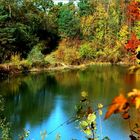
{"x": 91, "y": 118}
{"x": 116, "y": 106}
{"x": 137, "y": 29}
{"x": 88, "y": 124}
{"x": 84, "y": 94}
{"x": 133, "y": 14}
{"x": 86, "y": 51}
{"x": 100, "y": 106}
{"x": 133, "y": 43}
{"x": 83, "y": 124}
{"x": 86, "y": 116}
{"x": 87, "y": 25}
{"x": 123, "y": 34}
{"x": 137, "y": 102}
{"x": 135, "y": 97}
{"x": 100, "y": 21}
{"x": 121, "y": 104}
{"x": 133, "y": 11}
{"x": 88, "y": 131}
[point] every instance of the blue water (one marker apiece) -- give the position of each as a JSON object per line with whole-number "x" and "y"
{"x": 46, "y": 101}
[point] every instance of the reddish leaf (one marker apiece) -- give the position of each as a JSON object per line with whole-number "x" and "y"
{"x": 118, "y": 105}
{"x": 133, "y": 43}
{"x": 125, "y": 115}
{"x": 133, "y": 11}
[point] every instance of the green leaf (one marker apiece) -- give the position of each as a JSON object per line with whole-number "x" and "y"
{"x": 83, "y": 124}
{"x": 91, "y": 118}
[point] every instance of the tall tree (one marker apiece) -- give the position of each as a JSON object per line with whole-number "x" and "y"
{"x": 85, "y": 7}
{"x": 68, "y": 21}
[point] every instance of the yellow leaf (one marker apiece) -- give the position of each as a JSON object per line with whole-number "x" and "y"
{"x": 100, "y": 112}
{"x": 100, "y": 106}
{"x": 84, "y": 94}
{"x": 91, "y": 118}
{"x": 88, "y": 131}
{"x": 135, "y": 97}
{"x": 137, "y": 102}
{"x": 135, "y": 92}
{"x": 83, "y": 124}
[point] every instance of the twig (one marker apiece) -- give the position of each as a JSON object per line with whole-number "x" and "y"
{"x": 62, "y": 124}
{"x": 129, "y": 122}
{"x": 71, "y": 120}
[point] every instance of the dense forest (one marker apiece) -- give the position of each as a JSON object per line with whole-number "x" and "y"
{"x": 36, "y": 32}
{"x": 43, "y": 34}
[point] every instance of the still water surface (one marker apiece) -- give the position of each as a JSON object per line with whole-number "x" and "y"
{"x": 44, "y": 101}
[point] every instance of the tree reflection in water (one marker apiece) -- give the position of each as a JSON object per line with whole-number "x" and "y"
{"x": 36, "y": 101}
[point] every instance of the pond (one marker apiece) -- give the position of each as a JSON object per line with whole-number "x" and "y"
{"x": 46, "y": 101}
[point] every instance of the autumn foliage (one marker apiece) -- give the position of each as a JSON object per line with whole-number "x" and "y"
{"x": 134, "y": 98}
{"x": 121, "y": 104}
{"x": 133, "y": 11}
{"x": 133, "y": 14}
{"x": 132, "y": 43}
{"x": 118, "y": 105}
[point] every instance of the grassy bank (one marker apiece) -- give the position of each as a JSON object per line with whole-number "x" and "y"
{"x": 12, "y": 69}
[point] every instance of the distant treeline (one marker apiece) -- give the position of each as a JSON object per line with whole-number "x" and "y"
{"x": 90, "y": 29}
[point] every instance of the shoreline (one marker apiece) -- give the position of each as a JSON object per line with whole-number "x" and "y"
{"x": 10, "y": 69}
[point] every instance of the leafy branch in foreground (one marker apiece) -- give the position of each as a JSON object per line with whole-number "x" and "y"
{"x": 122, "y": 105}
{"x": 4, "y": 125}
{"x": 87, "y": 118}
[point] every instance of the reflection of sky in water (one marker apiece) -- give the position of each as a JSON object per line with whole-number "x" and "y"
{"x": 54, "y": 98}
{"x": 109, "y": 128}
{"x": 56, "y": 118}
{"x": 114, "y": 130}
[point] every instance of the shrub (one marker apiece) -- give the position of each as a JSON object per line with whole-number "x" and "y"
{"x": 111, "y": 54}
{"x": 71, "y": 55}
{"x": 67, "y": 55}
{"x": 60, "y": 53}
{"x": 86, "y": 51}
{"x": 35, "y": 56}
{"x": 51, "y": 58}
{"x": 15, "y": 59}
{"x": 137, "y": 29}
